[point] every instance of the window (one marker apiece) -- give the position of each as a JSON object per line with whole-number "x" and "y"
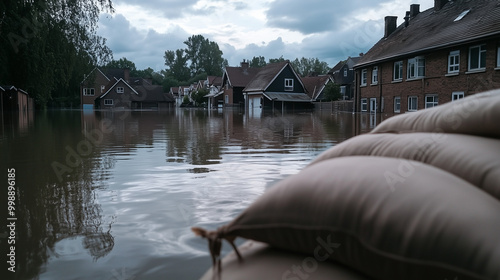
{"x": 226, "y": 99}
{"x": 343, "y": 92}
{"x": 103, "y": 88}
{"x": 120, "y": 90}
{"x": 498, "y": 57}
{"x": 289, "y": 84}
{"x": 397, "y": 104}
{"x": 398, "y": 71}
{"x": 364, "y": 73}
{"x": 364, "y": 105}
{"x": 416, "y": 67}
{"x": 345, "y": 72}
{"x": 412, "y": 103}
{"x": 457, "y": 95}
{"x": 454, "y": 62}
{"x": 88, "y": 91}
{"x": 108, "y": 101}
{"x": 375, "y": 75}
{"x": 431, "y": 100}
{"x": 477, "y": 58}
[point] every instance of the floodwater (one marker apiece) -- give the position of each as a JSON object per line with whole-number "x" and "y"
{"x": 112, "y": 195}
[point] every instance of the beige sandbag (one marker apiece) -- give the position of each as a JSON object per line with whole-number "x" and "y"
{"x": 472, "y": 158}
{"x": 478, "y": 114}
{"x": 264, "y": 262}
{"x": 433, "y": 225}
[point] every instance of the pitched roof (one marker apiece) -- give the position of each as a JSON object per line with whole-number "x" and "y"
{"x": 314, "y": 85}
{"x": 152, "y": 93}
{"x": 110, "y": 88}
{"x": 432, "y": 29}
{"x": 240, "y": 76}
{"x": 266, "y": 76}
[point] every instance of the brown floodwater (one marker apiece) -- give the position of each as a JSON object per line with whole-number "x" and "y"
{"x": 112, "y": 195}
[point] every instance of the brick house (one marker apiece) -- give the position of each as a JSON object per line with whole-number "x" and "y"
{"x": 115, "y": 89}
{"x": 234, "y": 80}
{"x": 436, "y": 56}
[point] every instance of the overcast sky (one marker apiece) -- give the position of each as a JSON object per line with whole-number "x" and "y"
{"x": 330, "y": 30}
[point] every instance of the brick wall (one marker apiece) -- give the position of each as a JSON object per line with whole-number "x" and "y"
{"x": 436, "y": 81}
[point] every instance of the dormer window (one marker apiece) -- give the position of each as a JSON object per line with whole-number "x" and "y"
{"x": 120, "y": 90}
{"x": 288, "y": 84}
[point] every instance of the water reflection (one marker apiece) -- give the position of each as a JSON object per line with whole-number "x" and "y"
{"x": 99, "y": 191}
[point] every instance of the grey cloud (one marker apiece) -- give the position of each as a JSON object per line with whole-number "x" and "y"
{"x": 170, "y": 8}
{"x": 315, "y": 16}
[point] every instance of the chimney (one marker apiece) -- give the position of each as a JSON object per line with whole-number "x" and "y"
{"x": 439, "y": 4}
{"x": 244, "y": 64}
{"x": 407, "y": 18}
{"x": 390, "y": 25}
{"x": 414, "y": 10}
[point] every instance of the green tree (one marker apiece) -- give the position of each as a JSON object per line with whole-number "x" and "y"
{"x": 276, "y": 60}
{"x": 332, "y": 92}
{"x": 47, "y": 46}
{"x": 123, "y": 63}
{"x": 176, "y": 62}
{"x": 204, "y": 55}
{"x": 199, "y": 96}
{"x": 258, "y": 61}
{"x": 309, "y": 66}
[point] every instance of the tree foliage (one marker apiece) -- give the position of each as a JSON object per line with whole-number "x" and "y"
{"x": 204, "y": 56}
{"x": 258, "y": 61}
{"x": 332, "y": 92}
{"x": 309, "y": 66}
{"x": 47, "y": 46}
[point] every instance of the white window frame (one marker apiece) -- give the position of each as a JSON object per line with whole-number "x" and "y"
{"x": 431, "y": 100}
{"x": 481, "y": 56}
{"x": 120, "y": 89}
{"x": 226, "y": 99}
{"x": 454, "y": 62}
{"x": 288, "y": 84}
{"x": 397, "y": 74}
{"x": 397, "y": 104}
{"x": 88, "y": 92}
{"x": 364, "y": 104}
{"x": 416, "y": 68}
{"x": 364, "y": 78}
{"x": 457, "y": 95}
{"x": 108, "y": 102}
{"x": 412, "y": 100}
{"x": 375, "y": 75}
{"x": 373, "y": 109}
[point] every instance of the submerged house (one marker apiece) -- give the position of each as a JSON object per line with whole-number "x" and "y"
{"x": 439, "y": 55}
{"x": 276, "y": 85}
{"x": 234, "y": 80}
{"x": 115, "y": 89}
{"x": 315, "y": 86}
{"x": 343, "y": 75}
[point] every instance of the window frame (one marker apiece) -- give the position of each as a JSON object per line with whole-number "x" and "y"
{"x": 433, "y": 103}
{"x": 454, "y": 67}
{"x": 120, "y": 89}
{"x": 457, "y": 93}
{"x": 399, "y": 72}
{"x": 364, "y": 77}
{"x": 289, "y": 84}
{"x": 481, "y": 58}
{"x": 415, "y": 65}
{"x": 108, "y": 102}
{"x": 411, "y": 103}
{"x": 345, "y": 72}
{"x": 86, "y": 90}
{"x": 364, "y": 105}
{"x": 398, "y": 98}
{"x": 375, "y": 75}
{"x": 498, "y": 57}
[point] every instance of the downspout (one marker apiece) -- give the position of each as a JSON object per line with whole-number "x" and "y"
{"x": 380, "y": 88}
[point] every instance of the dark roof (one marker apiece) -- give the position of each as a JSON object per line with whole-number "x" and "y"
{"x": 114, "y": 73}
{"x": 265, "y": 76}
{"x": 240, "y": 76}
{"x": 350, "y": 61}
{"x": 214, "y": 81}
{"x": 433, "y": 29}
{"x": 150, "y": 93}
{"x": 314, "y": 85}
